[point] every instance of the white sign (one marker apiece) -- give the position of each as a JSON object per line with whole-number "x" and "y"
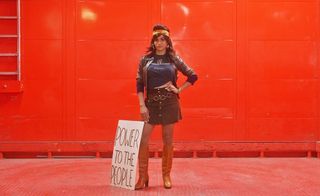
{"x": 125, "y": 153}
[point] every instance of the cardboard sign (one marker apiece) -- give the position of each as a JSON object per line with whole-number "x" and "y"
{"x": 125, "y": 153}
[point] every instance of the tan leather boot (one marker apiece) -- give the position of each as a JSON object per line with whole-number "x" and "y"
{"x": 167, "y": 155}
{"x": 143, "y": 168}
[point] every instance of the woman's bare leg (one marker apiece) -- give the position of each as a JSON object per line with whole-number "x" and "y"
{"x": 167, "y": 134}
{"x": 147, "y": 130}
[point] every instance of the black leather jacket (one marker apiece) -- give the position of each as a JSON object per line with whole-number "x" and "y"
{"x": 178, "y": 63}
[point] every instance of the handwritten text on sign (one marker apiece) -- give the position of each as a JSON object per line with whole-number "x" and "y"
{"x": 125, "y": 153}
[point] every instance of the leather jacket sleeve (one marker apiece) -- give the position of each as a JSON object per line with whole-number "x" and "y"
{"x": 142, "y": 72}
{"x": 185, "y": 69}
{"x": 139, "y": 76}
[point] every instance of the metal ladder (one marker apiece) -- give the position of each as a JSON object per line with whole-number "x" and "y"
{"x": 17, "y": 73}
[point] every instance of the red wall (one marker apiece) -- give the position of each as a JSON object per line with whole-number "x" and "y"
{"x": 257, "y": 61}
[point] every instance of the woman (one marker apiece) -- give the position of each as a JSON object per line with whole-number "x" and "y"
{"x": 157, "y": 75}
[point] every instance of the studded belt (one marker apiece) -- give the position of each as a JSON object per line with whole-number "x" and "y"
{"x": 159, "y": 95}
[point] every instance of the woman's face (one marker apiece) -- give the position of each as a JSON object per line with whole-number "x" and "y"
{"x": 160, "y": 44}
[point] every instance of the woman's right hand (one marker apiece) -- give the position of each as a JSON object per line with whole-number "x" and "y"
{"x": 144, "y": 113}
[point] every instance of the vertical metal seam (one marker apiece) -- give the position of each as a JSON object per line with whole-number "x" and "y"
{"x": 318, "y": 66}
{"x": 19, "y": 40}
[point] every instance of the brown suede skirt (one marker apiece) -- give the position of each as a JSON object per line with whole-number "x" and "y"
{"x": 163, "y": 106}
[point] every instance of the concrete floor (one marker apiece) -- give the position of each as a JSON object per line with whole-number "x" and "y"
{"x": 190, "y": 176}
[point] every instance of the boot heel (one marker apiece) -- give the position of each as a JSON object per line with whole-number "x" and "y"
{"x": 147, "y": 183}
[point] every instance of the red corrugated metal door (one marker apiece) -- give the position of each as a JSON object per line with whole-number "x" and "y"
{"x": 257, "y": 61}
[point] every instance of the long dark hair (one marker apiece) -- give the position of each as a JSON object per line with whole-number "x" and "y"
{"x": 151, "y": 50}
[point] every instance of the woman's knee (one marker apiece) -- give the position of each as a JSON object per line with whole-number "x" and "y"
{"x": 167, "y": 134}
{"x": 146, "y": 134}
{"x": 167, "y": 139}
{"x": 168, "y": 142}
{"x": 144, "y": 141}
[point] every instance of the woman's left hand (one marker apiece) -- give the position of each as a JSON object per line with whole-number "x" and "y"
{"x": 171, "y": 87}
